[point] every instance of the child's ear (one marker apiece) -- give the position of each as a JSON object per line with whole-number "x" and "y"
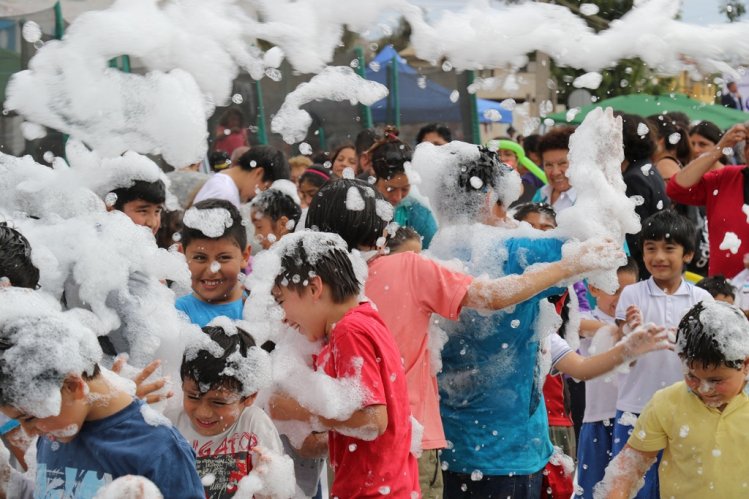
{"x": 180, "y": 248}
{"x": 75, "y": 386}
{"x": 281, "y": 228}
{"x": 246, "y": 256}
{"x": 688, "y": 256}
{"x": 315, "y": 286}
{"x": 248, "y": 401}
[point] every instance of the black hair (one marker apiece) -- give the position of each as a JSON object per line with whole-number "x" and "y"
{"x": 402, "y": 235}
{"x": 437, "y": 128}
{"x": 270, "y": 159}
{"x": 630, "y": 267}
{"x": 15, "y": 259}
{"x": 389, "y": 154}
{"x": 636, "y": 145}
{"x": 219, "y": 160}
{"x": 696, "y": 342}
{"x": 316, "y": 175}
{"x": 530, "y": 143}
{"x": 330, "y": 262}
{"x": 523, "y": 210}
{"x": 207, "y": 369}
{"x": 666, "y": 126}
{"x": 150, "y": 192}
{"x": 171, "y": 224}
{"x": 236, "y": 232}
{"x": 364, "y": 140}
{"x": 337, "y": 150}
{"x": 275, "y": 204}
{"x": 229, "y": 113}
{"x": 717, "y": 285}
{"x": 359, "y": 228}
{"x": 669, "y": 226}
{"x": 707, "y": 129}
{"x": 556, "y": 138}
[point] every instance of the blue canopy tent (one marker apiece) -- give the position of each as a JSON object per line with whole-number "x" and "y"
{"x": 422, "y": 100}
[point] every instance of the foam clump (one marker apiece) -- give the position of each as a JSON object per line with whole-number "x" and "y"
{"x": 252, "y": 371}
{"x": 41, "y": 345}
{"x": 333, "y": 83}
{"x": 731, "y": 242}
{"x": 271, "y": 476}
{"x": 211, "y": 222}
{"x": 727, "y": 326}
{"x": 129, "y": 487}
{"x": 602, "y": 207}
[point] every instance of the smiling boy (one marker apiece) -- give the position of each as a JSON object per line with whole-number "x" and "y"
{"x": 699, "y": 423}
{"x": 214, "y": 242}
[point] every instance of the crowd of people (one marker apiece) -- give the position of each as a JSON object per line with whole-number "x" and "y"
{"x": 456, "y": 317}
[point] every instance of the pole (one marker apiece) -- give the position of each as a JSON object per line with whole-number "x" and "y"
{"x": 321, "y": 137}
{"x": 125, "y": 60}
{"x": 262, "y": 133}
{"x": 394, "y": 91}
{"x": 59, "y": 22}
{"x": 365, "y": 112}
{"x": 474, "y": 111}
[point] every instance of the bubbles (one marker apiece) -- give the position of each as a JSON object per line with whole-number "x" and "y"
{"x": 384, "y": 490}
{"x": 476, "y": 183}
{"x": 208, "y": 480}
{"x": 549, "y": 122}
{"x": 32, "y": 131}
{"x": 716, "y": 453}
{"x": 215, "y": 266}
{"x": 421, "y": 82}
{"x": 447, "y": 66}
{"x": 237, "y": 98}
{"x": 31, "y": 32}
{"x": 674, "y": 138}
{"x": 110, "y": 199}
{"x": 588, "y": 9}
{"x": 660, "y": 204}
{"x": 731, "y": 242}
{"x": 727, "y": 151}
{"x": 354, "y": 63}
{"x": 508, "y": 104}
{"x": 715, "y": 192}
{"x": 348, "y": 173}
{"x": 463, "y": 487}
{"x": 176, "y": 237}
{"x": 646, "y": 168}
{"x": 454, "y": 96}
{"x": 352, "y": 447}
{"x": 354, "y": 199}
{"x": 546, "y": 107}
{"x": 374, "y": 66}
{"x": 296, "y": 279}
{"x": 492, "y": 115}
{"x": 49, "y": 156}
{"x": 274, "y": 74}
{"x": 571, "y": 113}
{"x": 642, "y": 129}
{"x": 444, "y": 465}
{"x": 305, "y": 148}
{"x": 476, "y": 475}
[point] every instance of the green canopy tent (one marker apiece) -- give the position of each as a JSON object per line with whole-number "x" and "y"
{"x": 647, "y": 105}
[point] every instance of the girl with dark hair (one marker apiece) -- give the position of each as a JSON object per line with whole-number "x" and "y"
{"x": 344, "y": 157}
{"x": 389, "y": 157}
{"x": 704, "y": 136}
{"x": 673, "y": 149}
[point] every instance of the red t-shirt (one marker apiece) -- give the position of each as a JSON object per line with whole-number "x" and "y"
{"x": 361, "y": 345}
{"x": 554, "y": 399}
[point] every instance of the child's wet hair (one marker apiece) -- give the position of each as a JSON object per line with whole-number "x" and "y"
{"x": 15, "y": 259}
{"x": 697, "y": 341}
{"x": 316, "y": 175}
{"x": 400, "y": 237}
{"x": 359, "y": 228}
{"x": 630, "y": 267}
{"x": 274, "y": 204}
{"x": 522, "y": 211}
{"x": 327, "y": 260}
{"x": 717, "y": 285}
{"x": 150, "y": 192}
{"x": 669, "y": 226}
{"x": 236, "y": 232}
{"x": 207, "y": 370}
{"x": 389, "y": 154}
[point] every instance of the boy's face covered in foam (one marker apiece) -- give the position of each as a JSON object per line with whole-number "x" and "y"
{"x": 65, "y": 425}
{"x": 212, "y": 412}
{"x": 715, "y": 386}
{"x": 215, "y": 265}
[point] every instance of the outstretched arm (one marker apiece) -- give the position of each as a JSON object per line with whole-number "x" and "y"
{"x": 642, "y": 340}
{"x": 693, "y": 172}
{"x": 624, "y": 473}
{"x": 496, "y": 294}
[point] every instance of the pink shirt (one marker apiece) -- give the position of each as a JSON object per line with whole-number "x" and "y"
{"x": 407, "y": 289}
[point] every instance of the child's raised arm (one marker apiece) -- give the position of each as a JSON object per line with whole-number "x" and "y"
{"x": 624, "y": 474}
{"x": 496, "y": 294}
{"x": 642, "y": 340}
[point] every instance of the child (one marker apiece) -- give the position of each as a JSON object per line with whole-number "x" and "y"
{"x": 310, "y": 182}
{"x": 356, "y": 343}
{"x": 274, "y": 214}
{"x": 404, "y": 239}
{"x": 220, "y": 382}
{"x": 594, "y": 447}
{"x": 214, "y": 242}
{"x": 142, "y": 202}
{"x": 699, "y": 423}
{"x": 667, "y": 244}
{"x": 16, "y": 267}
{"x": 719, "y": 288}
{"x": 91, "y": 432}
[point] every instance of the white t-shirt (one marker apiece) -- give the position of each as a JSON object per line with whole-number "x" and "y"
{"x": 558, "y": 348}
{"x": 229, "y": 456}
{"x": 600, "y": 392}
{"x": 654, "y": 370}
{"x": 219, "y": 186}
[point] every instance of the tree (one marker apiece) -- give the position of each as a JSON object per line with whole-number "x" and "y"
{"x": 733, "y": 9}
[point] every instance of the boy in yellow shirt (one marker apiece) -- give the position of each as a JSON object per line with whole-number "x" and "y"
{"x": 699, "y": 423}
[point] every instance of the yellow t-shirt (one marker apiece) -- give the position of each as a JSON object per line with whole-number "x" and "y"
{"x": 706, "y": 452}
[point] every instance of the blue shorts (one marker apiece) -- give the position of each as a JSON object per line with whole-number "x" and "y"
{"x": 594, "y": 453}
{"x": 651, "y": 489}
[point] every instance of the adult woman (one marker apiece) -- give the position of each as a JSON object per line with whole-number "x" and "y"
{"x": 673, "y": 148}
{"x": 704, "y": 136}
{"x": 553, "y": 148}
{"x": 389, "y": 156}
{"x": 343, "y": 157}
{"x": 724, "y": 192}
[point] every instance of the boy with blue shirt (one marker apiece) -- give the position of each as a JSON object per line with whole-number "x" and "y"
{"x": 667, "y": 242}
{"x": 90, "y": 431}
{"x": 214, "y": 242}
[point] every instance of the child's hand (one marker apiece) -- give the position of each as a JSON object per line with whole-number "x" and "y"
{"x": 145, "y": 391}
{"x": 633, "y": 318}
{"x": 284, "y": 408}
{"x": 644, "y": 339}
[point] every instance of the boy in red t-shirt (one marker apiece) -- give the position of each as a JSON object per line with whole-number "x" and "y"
{"x": 319, "y": 293}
